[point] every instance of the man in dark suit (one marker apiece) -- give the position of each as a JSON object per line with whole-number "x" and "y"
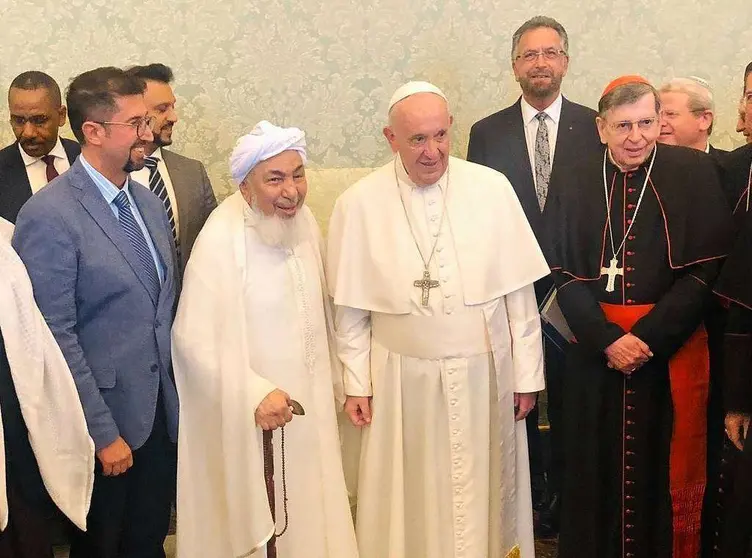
{"x": 99, "y": 252}
{"x": 180, "y": 182}
{"x": 39, "y": 154}
{"x": 520, "y": 141}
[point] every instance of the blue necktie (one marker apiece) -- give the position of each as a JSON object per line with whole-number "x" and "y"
{"x": 138, "y": 241}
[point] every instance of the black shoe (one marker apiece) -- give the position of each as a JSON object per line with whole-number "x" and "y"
{"x": 547, "y": 524}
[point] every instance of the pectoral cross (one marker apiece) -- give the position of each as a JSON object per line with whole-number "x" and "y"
{"x": 426, "y": 284}
{"x": 612, "y": 271}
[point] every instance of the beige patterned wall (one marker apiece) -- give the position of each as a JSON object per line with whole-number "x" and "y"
{"x": 329, "y": 66}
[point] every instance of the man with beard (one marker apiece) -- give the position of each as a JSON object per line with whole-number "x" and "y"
{"x": 520, "y": 141}
{"x": 637, "y": 232}
{"x": 39, "y": 154}
{"x": 180, "y": 182}
{"x": 99, "y": 252}
{"x": 254, "y": 331}
{"x": 441, "y": 341}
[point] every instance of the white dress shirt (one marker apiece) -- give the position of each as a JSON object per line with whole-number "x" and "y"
{"x": 36, "y": 169}
{"x": 142, "y": 177}
{"x": 553, "y": 115}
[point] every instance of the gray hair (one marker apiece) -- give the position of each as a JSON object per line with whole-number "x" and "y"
{"x": 627, "y": 94}
{"x": 538, "y": 22}
{"x": 700, "y": 97}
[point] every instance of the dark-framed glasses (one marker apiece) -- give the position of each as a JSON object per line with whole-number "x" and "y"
{"x": 549, "y": 54}
{"x": 625, "y": 126}
{"x": 142, "y": 124}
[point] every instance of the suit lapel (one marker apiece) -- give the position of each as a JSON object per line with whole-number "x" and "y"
{"x": 155, "y": 225}
{"x": 17, "y": 172}
{"x": 565, "y": 142}
{"x": 515, "y": 150}
{"x": 96, "y": 206}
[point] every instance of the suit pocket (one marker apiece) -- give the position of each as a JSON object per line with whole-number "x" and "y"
{"x": 105, "y": 378}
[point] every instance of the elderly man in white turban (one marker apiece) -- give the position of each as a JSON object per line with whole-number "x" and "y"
{"x": 431, "y": 265}
{"x": 252, "y": 334}
{"x": 45, "y": 449}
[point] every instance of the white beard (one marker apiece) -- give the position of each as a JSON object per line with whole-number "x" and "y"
{"x": 273, "y": 230}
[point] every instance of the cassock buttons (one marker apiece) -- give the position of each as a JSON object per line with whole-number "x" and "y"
{"x": 630, "y": 253}
{"x": 154, "y": 367}
{"x": 630, "y": 206}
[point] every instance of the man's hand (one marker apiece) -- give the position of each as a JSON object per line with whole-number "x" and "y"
{"x": 274, "y": 410}
{"x": 523, "y": 404}
{"x": 736, "y": 428}
{"x": 627, "y": 354}
{"x": 359, "y": 410}
{"x": 116, "y": 458}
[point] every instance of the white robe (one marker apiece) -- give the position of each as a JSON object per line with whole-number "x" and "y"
{"x": 444, "y": 468}
{"x": 46, "y": 393}
{"x": 251, "y": 319}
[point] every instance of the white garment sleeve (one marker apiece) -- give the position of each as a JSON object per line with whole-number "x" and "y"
{"x": 353, "y": 334}
{"x": 527, "y": 341}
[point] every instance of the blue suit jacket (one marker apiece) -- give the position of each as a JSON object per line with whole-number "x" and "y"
{"x": 88, "y": 284}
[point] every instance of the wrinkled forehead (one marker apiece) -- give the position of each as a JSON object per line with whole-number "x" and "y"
{"x": 420, "y": 110}
{"x": 644, "y": 107}
{"x": 38, "y": 99}
{"x": 282, "y": 164}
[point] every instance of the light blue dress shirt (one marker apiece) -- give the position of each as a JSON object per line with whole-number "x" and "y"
{"x": 109, "y": 191}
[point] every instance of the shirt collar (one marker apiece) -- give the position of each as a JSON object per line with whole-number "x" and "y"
{"x": 157, "y": 154}
{"x": 707, "y": 147}
{"x": 553, "y": 111}
{"x": 58, "y": 151}
{"x": 105, "y": 185}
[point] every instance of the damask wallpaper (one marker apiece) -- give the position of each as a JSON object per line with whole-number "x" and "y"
{"x": 330, "y": 66}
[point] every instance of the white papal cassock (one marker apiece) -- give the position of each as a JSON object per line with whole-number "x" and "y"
{"x": 443, "y": 468}
{"x": 253, "y": 318}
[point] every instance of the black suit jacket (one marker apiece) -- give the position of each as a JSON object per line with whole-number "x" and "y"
{"x": 498, "y": 141}
{"x": 15, "y": 189}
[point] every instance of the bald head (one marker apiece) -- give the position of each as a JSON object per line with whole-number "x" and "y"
{"x": 418, "y": 130}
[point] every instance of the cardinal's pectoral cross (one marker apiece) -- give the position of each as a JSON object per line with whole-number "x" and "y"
{"x": 612, "y": 271}
{"x": 426, "y": 284}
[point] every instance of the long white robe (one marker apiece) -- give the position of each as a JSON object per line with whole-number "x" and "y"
{"x": 443, "y": 468}
{"x": 46, "y": 393}
{"x": 251, "y": 319}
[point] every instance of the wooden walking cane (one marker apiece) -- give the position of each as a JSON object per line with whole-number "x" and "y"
{"x": 268, "y": 450}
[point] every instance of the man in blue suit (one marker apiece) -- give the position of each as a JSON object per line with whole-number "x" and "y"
{"x": 99, "y": 251}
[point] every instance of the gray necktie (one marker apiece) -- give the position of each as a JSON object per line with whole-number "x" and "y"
{"x": 542, "y": 160}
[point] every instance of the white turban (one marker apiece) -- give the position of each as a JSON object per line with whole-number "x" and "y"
{"x": 413, "y": 87}
{"x": 264, "y": 142}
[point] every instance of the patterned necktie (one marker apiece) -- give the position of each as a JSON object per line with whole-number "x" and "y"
{"x": 542, "y": 160}
{"x": 157, "y": 185}
{"x": 49, "y": 160}
{"x": 138, "y": 240}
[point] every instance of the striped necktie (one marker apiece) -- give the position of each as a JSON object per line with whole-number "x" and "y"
{"x": 138, "y": 241}
{"x": 157, "y": 185}
{"x": 542, "y": 160}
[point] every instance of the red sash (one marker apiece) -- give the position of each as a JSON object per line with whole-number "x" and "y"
{"x": 689, "y": 373}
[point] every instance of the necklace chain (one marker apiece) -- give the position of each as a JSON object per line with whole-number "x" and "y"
{"x": 410, "y": 225}
{"x": 637, "y": 208}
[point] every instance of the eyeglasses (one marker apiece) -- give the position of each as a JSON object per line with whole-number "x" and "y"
{"x": 625, "y": 127}
{"x": 142, "y": 124}
{"x": 549, "y": 54}
{"x": 36, "y": 120}
{"x": 672, "y": 114}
